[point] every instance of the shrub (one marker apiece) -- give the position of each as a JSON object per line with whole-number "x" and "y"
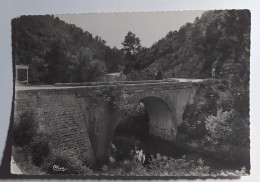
{"x": 241, "y": 172}
{"x": 163, "y": 165}
{"x": 194, "y": 130}
{"x": 226, "y": 133}
{"x": 160, "y": 165}
{"x": 26, "y": 129}
{"x": 40, "y": 149}
{"x": 218, "y": 127}
{"x": 112, "y": 96}
{"x": 67, "y": 162}
{"x": 124, "y": 168}
{"x": 241, "y": 103}
{"x": 240, "y": 130}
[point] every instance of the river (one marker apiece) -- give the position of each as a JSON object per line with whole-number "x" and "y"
{"x": 125, "y": 143}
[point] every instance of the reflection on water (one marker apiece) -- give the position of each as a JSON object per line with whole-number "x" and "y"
{"x": 123, "y": 146}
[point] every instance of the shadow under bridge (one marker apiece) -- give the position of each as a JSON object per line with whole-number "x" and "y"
{"x": 165, "y": 105}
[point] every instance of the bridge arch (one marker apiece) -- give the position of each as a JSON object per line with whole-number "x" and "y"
{"x": 165, "y": 108}
{"x": 161, "y": 118}
{"x": 161, "y": 124}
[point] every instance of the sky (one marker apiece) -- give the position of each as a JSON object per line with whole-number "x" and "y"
{"x": 113, "y": 27}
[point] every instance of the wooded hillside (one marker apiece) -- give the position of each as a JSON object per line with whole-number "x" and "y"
{"x": 61, "y": 52}
{"x": 219, "y": 39}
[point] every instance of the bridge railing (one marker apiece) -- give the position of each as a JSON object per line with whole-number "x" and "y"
{"x": 110, "y": 83}
{"x": 126, "y": 82}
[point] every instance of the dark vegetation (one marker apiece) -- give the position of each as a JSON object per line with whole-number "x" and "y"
{"x": 61, "y": 52}
{"x": 160, "y": 165}
{"x": 34, "y": 152}
{"x": 131, "y": 47}
{"x": 25, "y": 130}
{"x": 217, "y": 123}
{"x": 219, "y": 39}
{"x": 135, "y": 121}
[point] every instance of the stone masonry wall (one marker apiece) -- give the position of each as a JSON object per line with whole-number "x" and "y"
{"x": 59, "y": 116}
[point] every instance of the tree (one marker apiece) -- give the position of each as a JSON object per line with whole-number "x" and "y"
{"x": 55, "y": 61}
{"x": 114, "y": 60}
{"x": 57, "y": 51}
{"x": 131, "y": 44}
{"x": 93, "y": 71}
{"x": 131, "y": 47}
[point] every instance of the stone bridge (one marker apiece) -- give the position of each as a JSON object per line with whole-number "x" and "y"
{"x": 82, "y": 118}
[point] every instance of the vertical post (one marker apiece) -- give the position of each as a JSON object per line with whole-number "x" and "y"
{"x": 16, "y": 75}
{"x": 27, "y": 77}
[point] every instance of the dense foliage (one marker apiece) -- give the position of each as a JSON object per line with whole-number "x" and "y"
{"x": 61, "y": 52}
{"x": 166, "y": 166}
{"x": 25, "y": 130}
{"x": 220, "y": 39}
{"x": 217, "y": 122}
{"x": 33, "y": 148}
{"x": 131, "y": 47}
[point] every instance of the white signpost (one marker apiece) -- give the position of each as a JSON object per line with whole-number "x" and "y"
{"x": 23, "y": 67}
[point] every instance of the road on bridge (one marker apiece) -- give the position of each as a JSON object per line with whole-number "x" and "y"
{"x": 77, "y": 85}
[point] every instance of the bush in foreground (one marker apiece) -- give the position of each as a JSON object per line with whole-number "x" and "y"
{"x": 26, "y": 129}
{"x": 40, "y": 149}
{"x": 166, "y": 166}
{"x": 65, "y": 162}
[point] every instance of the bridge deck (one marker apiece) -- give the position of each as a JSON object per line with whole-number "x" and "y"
{"x": 102, "y": 84}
